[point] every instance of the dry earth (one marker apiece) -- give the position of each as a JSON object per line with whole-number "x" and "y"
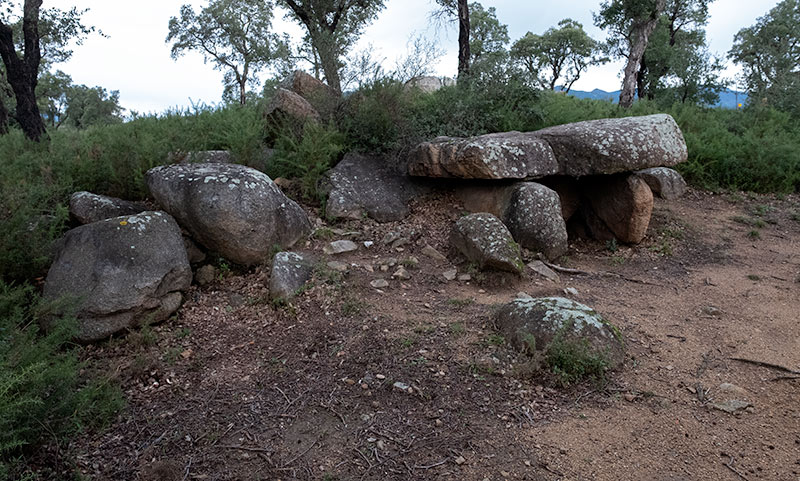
{"x": 235, "y": 388}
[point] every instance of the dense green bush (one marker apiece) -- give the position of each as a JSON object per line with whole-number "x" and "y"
{"x": 42, "y": 397}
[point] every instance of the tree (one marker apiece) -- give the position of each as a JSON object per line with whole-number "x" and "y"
{"x": 769, "y": 53}
{"x": 234, "y": 34}
{"x": 332, "y": 27}
{"x": 677, "y": 64}
{"x": 460, "y": 10}
{"x": 22, "y": 73}
{"x": 631, "y": 22}
{"x": 63, "y": 103}
{"x": 559, "y": 53}
{"x": 29, "y": 43}
{"x": 488, "y": 39}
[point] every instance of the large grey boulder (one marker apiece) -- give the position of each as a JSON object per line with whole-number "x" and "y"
{"x": 624, "y": 204}
{"x": 361, "y": 185}
{"x": 534, "y": 218}
{"x": 86, "y": 207}
{"x": 484, "y": 240}
{"x": 609, "y": 146}
{"x": 289, "y": 110}
{"x": 538, "y": 326}
{"x": 308, "y": 87}
{"x": 118, "y": 273}
{"x": 290, "y": 272}
{"x": 664, "y": 182}
{"x": 509, "y": 155}
{"x": 425, "y": 84}
{"x": 531, "y": 211}
{"x": 201, "y": 157}
{"x": 231, "y": 209}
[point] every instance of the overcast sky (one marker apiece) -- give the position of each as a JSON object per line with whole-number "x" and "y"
{"x": 135, "y": 60}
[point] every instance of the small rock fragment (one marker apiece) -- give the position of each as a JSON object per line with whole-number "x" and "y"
{"x": 450, "y": 274}
{"x": 540, "y": 268}
{"x": 731, "y": 406}
{"x": 571, "y": 291}
{"x": 433, "y": 253}
{"x": 401, "y": 274}
{"x": 460, "y": 460}
{"x": 464, "y": 278}
{"x": 338, "y": 266}
{"x": 340, "y": 247}
{"x": 379, "y": 284}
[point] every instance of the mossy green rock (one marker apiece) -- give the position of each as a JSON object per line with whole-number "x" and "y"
{"x": 537, "y": 326}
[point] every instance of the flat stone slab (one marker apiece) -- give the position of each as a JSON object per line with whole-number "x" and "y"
{"x": 594, "y": 147}
{"x": 508, "y": 155}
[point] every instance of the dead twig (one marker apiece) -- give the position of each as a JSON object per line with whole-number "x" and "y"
{"x": 578, "y": 272}
{"x": 765, "y": 364}
{"x": 286, "y": 464}
{"x": 431, "y": 465}
{"x": 186, "y": 471}
{"x": 729, "y": 466}
{"x": 245, "y": 448}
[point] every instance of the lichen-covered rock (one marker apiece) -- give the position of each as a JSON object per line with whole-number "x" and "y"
{"x": 610, "y": 146}
{"x": 534, "y": 218}
{"x": 531, "y": 211}
{"x": 623, "y": 202}
{"x": 664, "y": 182}
{"x": 230, "y": 209}
{"x": 484, "y": 240}
{"x": 290, "y": 272}
{"x": 509, "y": 155}
{"x": 569, "y": 194}
{"x": 361, "y": 185}
{"x": 86, "y": 207}
{"x": 537, "y": 326}
{"x": 120, "y": 272}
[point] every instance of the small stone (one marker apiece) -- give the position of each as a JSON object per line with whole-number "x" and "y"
{"x": 733, "y": 389}
{"x": 390, "y": 237}
{"x": 433, "y": 253}
{"x": 712, "y": 311}
{"x": 401, "y": 386}
{"x": 523, "y": 295}
{"x": 338, "y": 266}
{"x": 401, "y": 242}
{"x": 439, "y": 422}
{"x": 540, "y": 268}
{"x": 379, "y": 284}
{"x": 629, "y": 397}
{"x": 571, "y": 291}
{"x": 411, "y": 262}
{"x": 380, "y": 377}
{"x": 205, "y": 275}
{"x": 465, "y": 278}
{"x": 731, "y": 406}
{"x": 340, "y": 247}
{"x": 460, "y": 460}
{"x": 450, "y": 274}
{"x": 381, "y": 445}
{"x": 401, "y": 274}
{"x": 368, "y": 244}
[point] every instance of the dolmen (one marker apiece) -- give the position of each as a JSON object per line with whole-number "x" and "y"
{"x": 606, "y": 171}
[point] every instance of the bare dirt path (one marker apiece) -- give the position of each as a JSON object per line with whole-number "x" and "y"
{"x": 412, "y": 382}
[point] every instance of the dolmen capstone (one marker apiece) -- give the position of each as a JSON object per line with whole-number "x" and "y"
{"x": 606, "y": 170}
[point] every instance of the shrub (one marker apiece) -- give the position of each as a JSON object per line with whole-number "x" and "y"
{"x": 42, "y": 396}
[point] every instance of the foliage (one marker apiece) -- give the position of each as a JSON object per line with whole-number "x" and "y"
{"x": 677, "y": 66}
{"x": 63, "y": 103}
{"x": 308, "y": 157}
{"x": 236, "y": 35}
{"x": 769, "y": 53}
{"x": 487, "y": 42}
{"x": 42, "y": 397}
{"x": 565, "y": 52}
{"x": 332, "y": 28}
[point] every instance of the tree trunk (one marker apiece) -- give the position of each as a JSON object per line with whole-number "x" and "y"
{"x": 3, "y": 117}
{"x": 642, "y": 28}
{"x": 23, "y": 73}
{"x": 243, "y": 91}
{"x": 463, "y": 39}
{"x": 329, "y": 60}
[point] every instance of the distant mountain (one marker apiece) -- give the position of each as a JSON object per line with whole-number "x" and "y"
{"x": 728, "y": 99}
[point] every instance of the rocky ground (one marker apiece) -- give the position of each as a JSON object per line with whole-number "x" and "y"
{"x": 412, "y": 381}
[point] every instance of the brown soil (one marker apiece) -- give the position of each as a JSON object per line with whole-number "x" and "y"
{"x": 235, "y": 388}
